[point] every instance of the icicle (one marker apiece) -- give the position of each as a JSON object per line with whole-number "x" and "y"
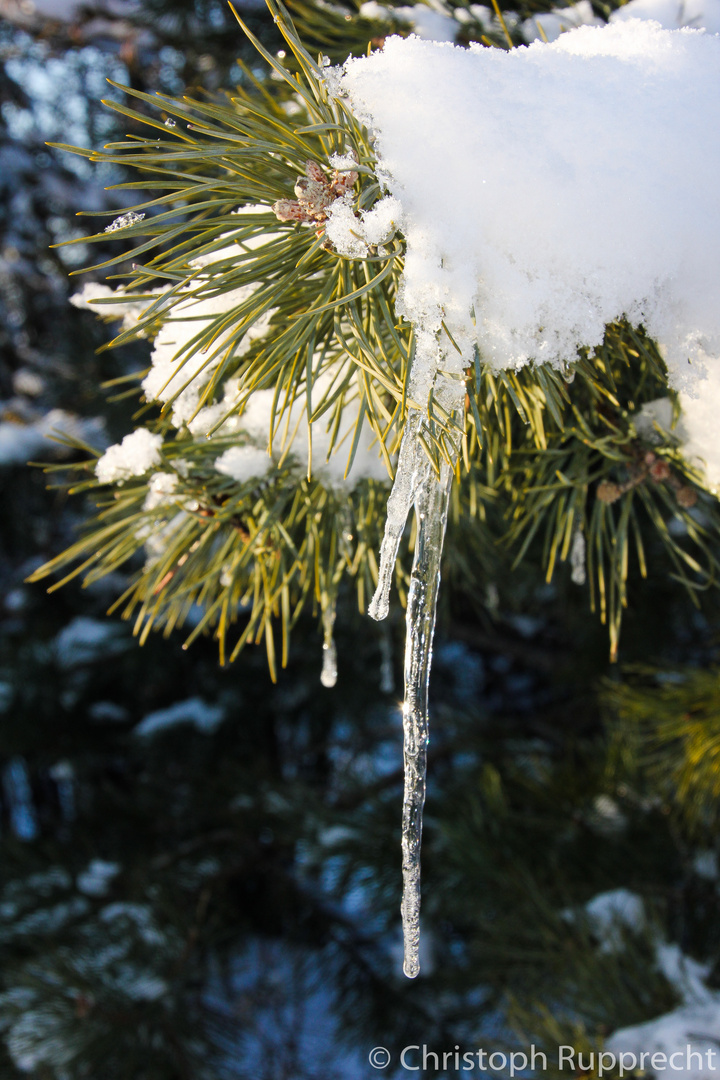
{"x": 387, "y": 678}
{"x": 431, "y": 508}
{"x": 329, "y": 668}
{"x": 577, "y": 558}
{"x": 412, "y": 473}
{"x": 417, "y": 484}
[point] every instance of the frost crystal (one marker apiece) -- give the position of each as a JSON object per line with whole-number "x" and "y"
{"x": 124, "y": 221}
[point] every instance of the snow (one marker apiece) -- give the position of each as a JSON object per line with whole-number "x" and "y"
{"x": 553, "y": 23}
{"x": 85, "y": 639}
{"x": 93, "y": 295}
{"x": 427, "y": 22}
{"x": 291, "y": 441}
{"x": 124, "y": 221}
{"x": 244, "y": 463}
{"x": 695, "y": 430}
{"x": 705, "y": 865}
{"x": 673, "y": 14}
{"x": 551, "y": 189}
{"x": 161, "y": 489}
{"x": 687, "y": 1036}
{"x": 96, "y": 877}
{"x": 135, "y": 455}
{"x": 107, "y": 712}
{"x": 609, "y": 913}
{"x": 19, "y": 442}
{"x": 352, "y": 236}
{"x": 690, "y": 1032}
{"x": 205, "y": 718}
{"x": 176, "y": 362}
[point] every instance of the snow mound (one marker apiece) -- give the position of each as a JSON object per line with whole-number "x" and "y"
{"x": 552, "y": 189}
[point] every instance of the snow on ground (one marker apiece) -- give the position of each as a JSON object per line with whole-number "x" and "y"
{"x": 21, "y": 441}
{"x": 95, "y": 879}
{"x": 195, "y": 711}
{"x": 85, "y": 640}
{"x": 550, "y": 190}
{"x": 688, "y": 1036}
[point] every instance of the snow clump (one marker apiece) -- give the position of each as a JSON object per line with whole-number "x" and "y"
{"x": 550, "y": 190}
{"x": 135, "y": 455}
{"x": 352, "y": 236}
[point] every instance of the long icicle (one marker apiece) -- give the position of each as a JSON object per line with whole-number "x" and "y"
{"x": 431, "y": 509}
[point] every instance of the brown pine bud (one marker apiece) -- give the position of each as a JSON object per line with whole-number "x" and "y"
{"x": 315, "y": 173}
{"x": 686, "y": 496}
{"x": 608, "y": 492}
{"x": 290, "y": 210}
{"x": 660, "y": 470}
{"x": 344, "y": 182}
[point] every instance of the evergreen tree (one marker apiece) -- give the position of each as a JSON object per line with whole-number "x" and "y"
{"x": 170, "y": 822}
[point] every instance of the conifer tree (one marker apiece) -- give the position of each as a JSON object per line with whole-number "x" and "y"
{"x": 262, "y": 332}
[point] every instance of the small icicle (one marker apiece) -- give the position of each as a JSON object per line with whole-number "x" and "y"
{"x": 413, "y": 469}
{"x": 431, "y": 508}
{"x": 328, "y": 676}
{"x": 578, "y": 558}
{"x": 387, "y": 678}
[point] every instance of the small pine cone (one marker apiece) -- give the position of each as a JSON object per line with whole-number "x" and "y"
{"x": 660, "y": 470}
{"x": 290, "y": 210}
{"x": 686, "y": 496}
{"x": 608, "y": 492}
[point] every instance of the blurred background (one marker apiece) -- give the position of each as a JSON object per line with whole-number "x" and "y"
{"x": 200, "y": 870}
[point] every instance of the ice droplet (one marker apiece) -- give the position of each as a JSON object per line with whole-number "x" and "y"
{"x": 577, "y": 558}
{"x": 568, "y": 372}
{"x": 170, "y": 123}
{"x": 328, "y": 676}
{"x": 124, "y": 221}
